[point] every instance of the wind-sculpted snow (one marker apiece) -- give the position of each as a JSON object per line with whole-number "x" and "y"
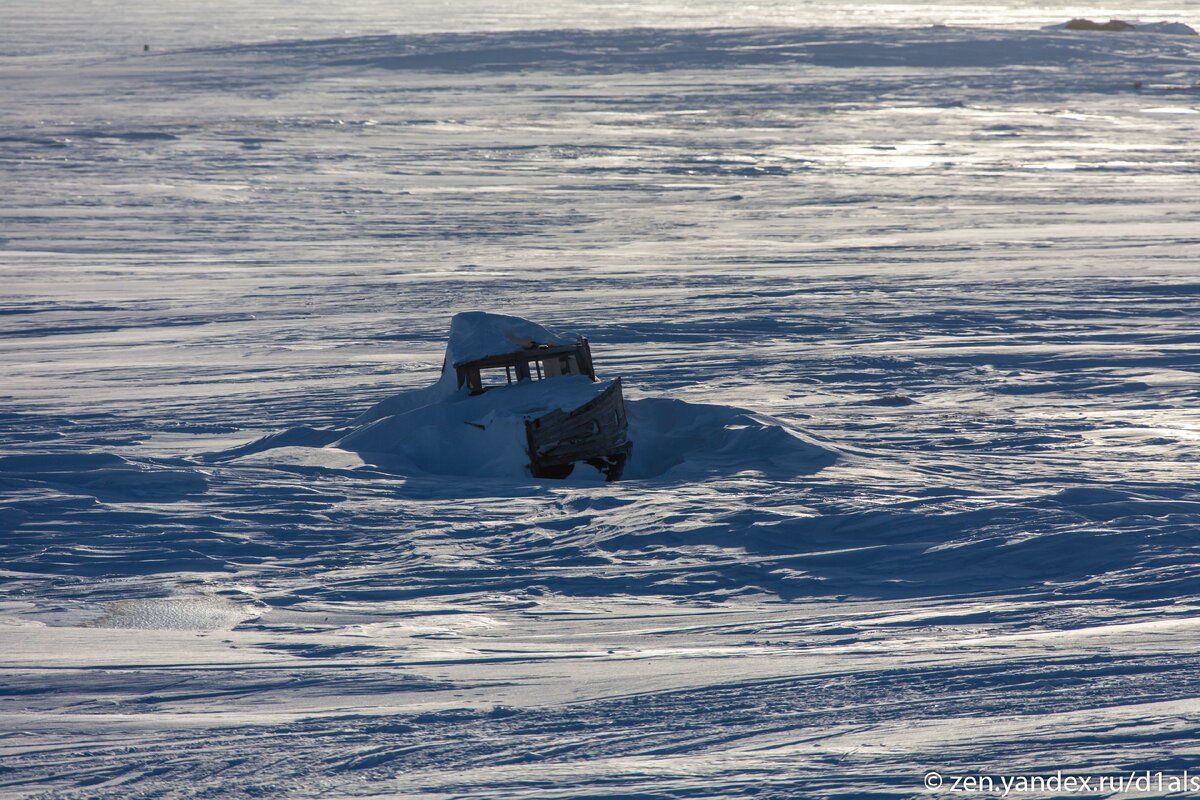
{"x": 101, "y": 475}
{"x": 906, "y": 320}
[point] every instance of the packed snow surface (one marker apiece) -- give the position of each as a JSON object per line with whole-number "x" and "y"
{"x": 908, "y": 312}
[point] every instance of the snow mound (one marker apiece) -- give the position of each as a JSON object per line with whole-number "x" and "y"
{"x": 672, "y": 440}
{"x": 1171, "y": 28}
{"x": 679, "y": 440}
{"x": 479, "y": 334}
{"x": 479, "y": 436}
{"x": 298, "y": 437}
{"x": 305, "y": 458}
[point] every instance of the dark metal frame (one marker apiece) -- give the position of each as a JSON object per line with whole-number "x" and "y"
{"x": 595, "y": 433}
{"x": 518, "y": 362}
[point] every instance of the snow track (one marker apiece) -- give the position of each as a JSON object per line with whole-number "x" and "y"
{"x": 964, "y": 260}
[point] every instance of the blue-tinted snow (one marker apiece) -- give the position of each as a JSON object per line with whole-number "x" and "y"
{"x": 959, "y": 265}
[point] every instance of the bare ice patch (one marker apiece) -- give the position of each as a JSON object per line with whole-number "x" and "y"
{"x": 201, "y": 613}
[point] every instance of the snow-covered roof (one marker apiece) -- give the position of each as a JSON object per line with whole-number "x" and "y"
{"x": 477, "y": 334}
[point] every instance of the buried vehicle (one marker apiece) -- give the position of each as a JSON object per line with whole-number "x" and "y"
{"x": 510, "y": 389}
{"x": 595, "y": 432}
{"x": 515, "y": 399}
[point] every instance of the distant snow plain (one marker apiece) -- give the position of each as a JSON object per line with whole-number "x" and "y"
{"x": 964, "y": 259}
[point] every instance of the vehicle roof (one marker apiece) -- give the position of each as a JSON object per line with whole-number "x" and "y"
{"x": 477, "y": 336}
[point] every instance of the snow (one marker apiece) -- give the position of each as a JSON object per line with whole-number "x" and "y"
{"x": 906, "y": 321}
{"x": 477, "y": 334}
{"x": 689, "y": 441}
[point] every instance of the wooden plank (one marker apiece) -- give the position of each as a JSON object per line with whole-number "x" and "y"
{"x": 598, "y": 428}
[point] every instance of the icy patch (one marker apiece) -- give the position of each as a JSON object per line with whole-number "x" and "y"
{"x": 174, "y": 613}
